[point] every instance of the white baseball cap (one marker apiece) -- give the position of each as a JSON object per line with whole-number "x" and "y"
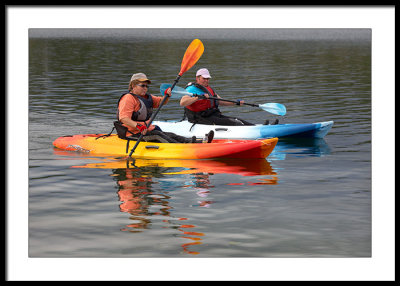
{"x": 204, "y": 73}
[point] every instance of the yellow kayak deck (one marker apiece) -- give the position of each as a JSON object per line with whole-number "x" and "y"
{"x": 218, "y": 148}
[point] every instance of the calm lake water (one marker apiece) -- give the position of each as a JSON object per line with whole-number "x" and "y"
{"x": 309, "y": 198}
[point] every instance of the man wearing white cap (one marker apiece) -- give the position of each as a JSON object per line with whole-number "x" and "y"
{"x": 204, "y": 110}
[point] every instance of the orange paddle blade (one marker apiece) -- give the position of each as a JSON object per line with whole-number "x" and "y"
{"x": 192, "y": 55}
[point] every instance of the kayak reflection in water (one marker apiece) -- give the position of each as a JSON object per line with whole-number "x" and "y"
{"x": 135, "y": 109}
{"x": 145, "y": 205}
{"x": 203, "y": 110}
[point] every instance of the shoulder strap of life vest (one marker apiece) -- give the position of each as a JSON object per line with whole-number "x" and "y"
{"x": 146, "y": 107}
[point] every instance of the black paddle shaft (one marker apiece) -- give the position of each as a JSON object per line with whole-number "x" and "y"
{"x": 222, "y": 99}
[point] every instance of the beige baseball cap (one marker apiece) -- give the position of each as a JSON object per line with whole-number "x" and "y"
{"x": 140, "y": 77}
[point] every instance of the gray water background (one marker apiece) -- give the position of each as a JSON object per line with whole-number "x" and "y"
{"x": 316, "y": 201}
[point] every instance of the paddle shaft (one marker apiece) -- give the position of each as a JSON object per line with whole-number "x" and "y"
{"x": 154, "y": 115}
{"x": 274, "y": 108}
{"x": 191, "y": 56}
{"x": 227, "y": 100}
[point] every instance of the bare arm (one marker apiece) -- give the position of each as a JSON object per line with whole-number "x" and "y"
{"x": 227, "y": 103}
{"x": 188, "y": 100}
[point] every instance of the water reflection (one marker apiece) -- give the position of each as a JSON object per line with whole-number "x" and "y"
{"x": 136, "y": 196}
{"x": 250, "y": 167}
{"x": 201, "y": 184}
{"x": 193, "y": 236}
{"x": 316, "y": 147}
{"x": 144, "y": 195}
{"x": 147, "y": 195}
{"x": 145, "y": 203}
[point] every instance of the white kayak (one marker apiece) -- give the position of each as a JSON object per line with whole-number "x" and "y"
{"x": 187, "y": 129}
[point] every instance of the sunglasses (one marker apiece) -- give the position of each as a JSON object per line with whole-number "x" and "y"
{"x": 143, "y": 85}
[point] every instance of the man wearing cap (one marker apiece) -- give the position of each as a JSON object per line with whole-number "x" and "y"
{"x": 135, "y": 109}
{"x": 202, "y": 109}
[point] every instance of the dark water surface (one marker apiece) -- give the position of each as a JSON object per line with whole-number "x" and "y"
{"x": 310, "y": 198}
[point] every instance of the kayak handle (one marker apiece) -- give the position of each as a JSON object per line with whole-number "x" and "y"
{"x": 152, "y": 147}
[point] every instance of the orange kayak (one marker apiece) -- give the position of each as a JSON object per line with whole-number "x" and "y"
{"x": 219, "y": 148}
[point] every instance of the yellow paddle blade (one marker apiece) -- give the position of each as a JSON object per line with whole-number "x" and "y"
{"x": 192, "y": 55}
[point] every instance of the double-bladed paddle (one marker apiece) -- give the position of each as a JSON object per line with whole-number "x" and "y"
{"x": 274, "y": 108}
{"x": 192, "y": 55}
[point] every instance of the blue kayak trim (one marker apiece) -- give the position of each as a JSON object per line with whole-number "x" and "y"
{"x": 307, "y": 130}
{"x": 314, "y": 130}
